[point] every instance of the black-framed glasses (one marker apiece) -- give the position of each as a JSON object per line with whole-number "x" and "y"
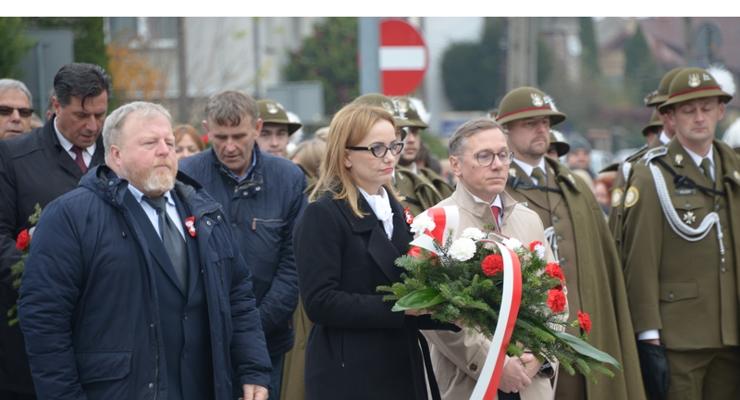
{"x": 24, "y": 112}
{"x": 485, "y": 157}
{"x": 379, "y": 150}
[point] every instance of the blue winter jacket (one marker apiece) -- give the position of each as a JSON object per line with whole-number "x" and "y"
{"x": 262, "y": 210}
{"x": 88, "y": 305}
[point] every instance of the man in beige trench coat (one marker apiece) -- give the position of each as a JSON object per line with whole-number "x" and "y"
{"x": 479, "y": 157}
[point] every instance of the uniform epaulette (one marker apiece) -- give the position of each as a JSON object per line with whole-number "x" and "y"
{"x": 659, "y": 151}
{"x": 637, "y": 154}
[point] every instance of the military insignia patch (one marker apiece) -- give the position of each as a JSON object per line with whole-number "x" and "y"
{"x": 694, "y": 80}
{"x": 537, "y": 100}
{"x": 512, "y": 172}
{"x": 401, "y": 107}
{"x": 688, "y": 217}
{"x": 272, "y": 108}
{"x": 678, "y": 159}
{"x": 617, "y": 194}
{"x": 549, "y": 101}
{"x": 631, "y": 197}
{"x": 706, "y": 77}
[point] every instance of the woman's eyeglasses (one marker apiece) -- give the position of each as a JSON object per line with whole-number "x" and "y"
{"x": 379, "y": 150}
{"x": 7, "y": 110}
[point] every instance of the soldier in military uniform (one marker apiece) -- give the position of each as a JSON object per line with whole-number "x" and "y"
{"x": 579, "y": 238}
{"x": 558, "y": 145}
{"x": 681, "y": 249}
{"x": 654, "y": 99}
{"x": 411, "y": 152}
{"x": 415, "y": 192}
{"x": 276, "y": 128}
{"x": 651, "y": 132}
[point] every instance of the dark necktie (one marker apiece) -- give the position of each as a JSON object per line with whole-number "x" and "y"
{"x": 706, "y": 167}
{"x": 79, "y": 160}
{"x": 171, "y": 238}
{"x": 496, "y": 211}
{"x": 539, "y": 176}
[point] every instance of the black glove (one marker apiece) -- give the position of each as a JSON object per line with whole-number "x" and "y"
{"x": 654, "y": 366}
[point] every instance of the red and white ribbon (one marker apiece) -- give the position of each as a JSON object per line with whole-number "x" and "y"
{"x": 487, "y": 385}
{"x": 445, "y": 220}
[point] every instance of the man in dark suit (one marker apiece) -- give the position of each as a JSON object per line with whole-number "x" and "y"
{"x": 35, "y": 169}
{"x": 135, "y": 287}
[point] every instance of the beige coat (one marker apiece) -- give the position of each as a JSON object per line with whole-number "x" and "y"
{"x": 457, "y": 357}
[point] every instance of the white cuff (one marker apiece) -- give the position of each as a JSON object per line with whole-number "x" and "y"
{"x": 648, "y": 335}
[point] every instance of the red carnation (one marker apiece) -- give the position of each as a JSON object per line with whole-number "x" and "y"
{"x": 492, "y": 264}
{"x": 554, "y": 270}
{"x": 584, "y": 320}
{"x": 408, "y": 216}
{"x": 534, "y": 244}
{"x": 556, "y": 300}
{"x": 22, "y": 241}
{"x": 414, "y": 252}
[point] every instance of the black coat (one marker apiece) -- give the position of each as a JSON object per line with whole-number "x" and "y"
{"x": 34, "y": 168}
{"x": 358, "y": 348}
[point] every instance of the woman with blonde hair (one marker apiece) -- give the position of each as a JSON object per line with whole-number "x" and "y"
{"x": 345, "y": 246}
{"x": 187, "y": 141}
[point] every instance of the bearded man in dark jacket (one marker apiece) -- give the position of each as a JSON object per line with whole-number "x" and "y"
{"x": 135, "y": 288}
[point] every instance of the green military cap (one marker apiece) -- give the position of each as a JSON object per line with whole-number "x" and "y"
{"x": 655, "y": 123}
{"x": 691, "y": 84}
{"x": 273, "y": 112}
{"x": 660, "y": 94}
{"x": 557, "y": 140}
{"x": 408, "y": 110}
{"x": 527, "y": 102}
{"x": 379, "y": 100}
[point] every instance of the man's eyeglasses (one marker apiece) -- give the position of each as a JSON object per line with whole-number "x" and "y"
{"x": 379, "y": 150}
{"x": 24, "y": 112}
{"x": 485, "y": 158}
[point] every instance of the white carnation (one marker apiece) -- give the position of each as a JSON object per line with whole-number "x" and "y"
{"x": 462, "y": 249}
{"x": 422, "y": 223}
{"x": 512, "y": 243}
{"x": 473, "y": 233}
{"x": 539, "y": 249}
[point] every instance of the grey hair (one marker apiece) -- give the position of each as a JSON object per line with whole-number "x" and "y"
{"x": 112, "y": 128}
{"x": 229, "y": 107}
{"x": 8, "y": 84}
{"x": 468, "y": 129}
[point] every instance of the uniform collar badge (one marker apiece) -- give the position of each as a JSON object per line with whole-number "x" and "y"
{"x": 512, "y": 172}
{"x": 678, "y": 159}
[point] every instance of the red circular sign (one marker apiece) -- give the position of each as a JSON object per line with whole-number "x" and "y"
{"x": 403, "y": 57}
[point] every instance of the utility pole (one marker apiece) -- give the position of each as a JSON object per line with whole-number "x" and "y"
{"x": 182, "y": 73}
{"x": 368, "y": 39}
{"x": 522, "y": 57}
{"x": 257, "y": 60}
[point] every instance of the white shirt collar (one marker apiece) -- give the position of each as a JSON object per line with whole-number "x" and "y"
{"x": 664, "y": 139}
{"x": 139, "y": 195}
{"x": 67, "y": 145}
{"x": 496, "y": 202}
{"x": 529, "y": 168}
{"x": 697, "y": 158}
{"x": 381, "y": 206}
{"x": 413, "y": 168}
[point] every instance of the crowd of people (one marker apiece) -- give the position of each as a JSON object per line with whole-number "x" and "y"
{"x": 166, "y": 267}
